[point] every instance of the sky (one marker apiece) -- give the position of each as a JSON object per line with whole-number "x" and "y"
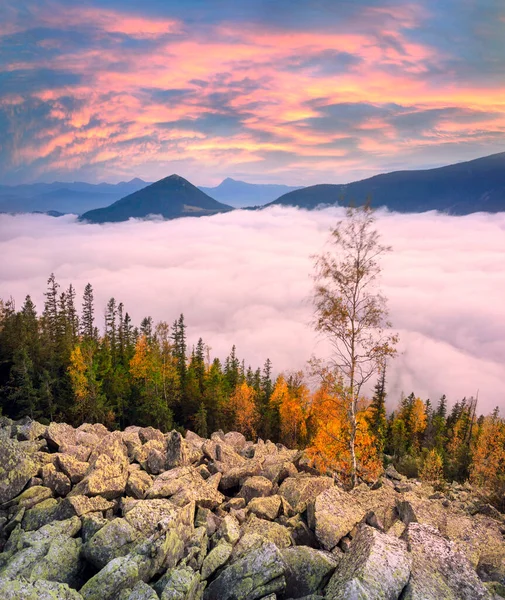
{"x": 274, "y": 91}
{"x": 244, "y": 278}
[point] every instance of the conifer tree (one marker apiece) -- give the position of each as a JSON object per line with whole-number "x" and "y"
{"x": 377, "y": 412}
{"x": 88, "y": 314}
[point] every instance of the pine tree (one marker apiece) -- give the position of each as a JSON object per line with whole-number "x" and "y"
{"x": 377, "y": 413}
{"x": 201, "y": 421}
{"x": 111, "y": 314}
{"x": 51, "y": 310}
{"x": 73, "y": 318}
{"x": 88, "y": 311}
{"x": 180, "y": 348}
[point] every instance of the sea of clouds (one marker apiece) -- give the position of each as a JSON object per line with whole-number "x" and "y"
{"x": 244, "y": 278}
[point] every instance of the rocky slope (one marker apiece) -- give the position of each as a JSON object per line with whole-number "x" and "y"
{"x": 89, "y": 514}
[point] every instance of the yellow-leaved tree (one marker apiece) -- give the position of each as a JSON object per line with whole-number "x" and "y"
{"x": 291, "y": 400}
{"x": 330, "y": 447}
{"x": 89, "y": 399}
{"x": 242, "y": 406}
{"x": 488, "y": 465}
{"x": 351, "y": 312}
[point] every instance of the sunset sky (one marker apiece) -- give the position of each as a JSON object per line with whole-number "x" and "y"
{"x": 279, "y": 91}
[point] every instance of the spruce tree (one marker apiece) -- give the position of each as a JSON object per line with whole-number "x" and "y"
{"x": 88, "y": 312}
{"x": 377, "y": 419}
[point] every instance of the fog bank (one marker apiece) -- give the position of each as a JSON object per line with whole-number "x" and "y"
{"x": 244, "y": 278}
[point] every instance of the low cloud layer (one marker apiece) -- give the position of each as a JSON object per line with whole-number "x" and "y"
{"x": 244, "y": 278}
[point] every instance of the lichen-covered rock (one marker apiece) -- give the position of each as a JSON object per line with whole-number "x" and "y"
{"x": 438, "y": 571}
{"x": 30, "y": 497}
{"x": 141, "y": 591}
{"x": 58, "y": 434}
{"x": 45, "y": 535}
{"x": 183, "y": 485}
{"x": 58, "y": 482}
{"x": 301, "y": 490}
{"x": 236, "y": 476}
{"x": 145, "y": 515}
{"x": 216, "y": 558}
{"x": 30, "y": 430}
{"x": 138, "y": 483}
{"x": 62, "y": 562}
{"x": 41, "y": 514}
{"x": 82, "y": 505}
{"x": 376, "y": 566}
{"x": 115, "y": 539}
{"x": 120, "y": 573}
{"x": 271, "y": 531}
{"x": 181, "y": 584}
{"x": 16, "y": 468}
{"x": 146, "y": 434}
{"x": 229, "y": 530}
{"x": 21, "y": 589}
{"x": 106, "y": 477}
{"x": 278, "y": 471}
{"x": 266, "y": 508}
{"x": 256, "y": 487}
{"x": 307, "y": 570}
{"x": 74, "y": 469}
{"x": 235, "y": 439}
{"x": 255, "y": 575}
{"x": 332, "y": 515}
{"x": 176, "y": 450}
{"x": 81, "y": 453}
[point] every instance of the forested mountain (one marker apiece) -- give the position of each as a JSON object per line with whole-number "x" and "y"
{"x": 59, "y": 366}
{"x": 463, "y": 188}
{"x": 64, "y": 197}
{"x": 240, "y": 194}
{"x": 171, "y": 197}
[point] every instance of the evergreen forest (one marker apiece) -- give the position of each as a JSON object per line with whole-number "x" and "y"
{"x": 64, "y": 365}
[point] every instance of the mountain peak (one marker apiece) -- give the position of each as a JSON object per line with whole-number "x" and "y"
{"x": 171, "y": 197}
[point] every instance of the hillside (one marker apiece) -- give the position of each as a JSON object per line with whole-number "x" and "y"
{"x": 77, "y": 197}
{"x": 241, "y": 194}
{"x": 89, "y": 514}
{"x": 171, "y": 197}
{"x": 463, "y": 188}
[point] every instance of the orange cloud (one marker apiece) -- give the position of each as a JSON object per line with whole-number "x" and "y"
{"x": 263, "y": 86}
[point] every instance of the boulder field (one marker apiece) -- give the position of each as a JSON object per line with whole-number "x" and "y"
{"x": 92, "y": 514}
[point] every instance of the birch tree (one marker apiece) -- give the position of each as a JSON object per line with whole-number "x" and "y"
{"x": 350, "y": 310}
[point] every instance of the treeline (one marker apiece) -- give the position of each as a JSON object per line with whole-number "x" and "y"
{"x": 60, "y": 365}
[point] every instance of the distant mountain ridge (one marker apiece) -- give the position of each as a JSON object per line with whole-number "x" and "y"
{"x": 241, "y": 194}
{"x": 462, "y": 188}
{"x": 171, "y": 197}
{"x": 64, "y": 197}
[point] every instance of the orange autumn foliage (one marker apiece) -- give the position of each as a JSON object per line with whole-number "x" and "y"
{"x": 292, "y": 404}
{"x": 488, "y": 466}
{"x": 243, "y": 408}
{"x": 330, "y": 446}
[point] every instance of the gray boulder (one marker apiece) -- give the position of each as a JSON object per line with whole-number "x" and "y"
{"x": 376, "y": 566}
{"x": 332, "y": 516}
{"x": 438, "y": 570}
{"x": 301, "y": 490}
{"x": 16, "y": 468}
{"x": 255, "y": 575}
{"x": 182, "y": 584}
{"x": 21, "y": 589}
{"x": 307, "y": 570}
{"x": 116, "y": 538}
{"x": 266, "y": 508}
{"x": 256, "y": 487}
{"x": 215, "y": 559}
